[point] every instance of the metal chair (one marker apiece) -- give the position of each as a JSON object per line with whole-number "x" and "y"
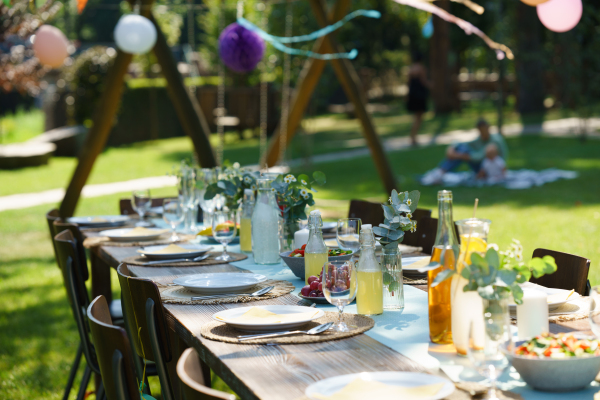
{"x": 572, "y": 272}
{"x": 191, "y": 374}
{"x": 114, "y": 353}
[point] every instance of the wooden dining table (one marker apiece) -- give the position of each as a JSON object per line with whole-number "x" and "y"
{"x": 263, "y": 371}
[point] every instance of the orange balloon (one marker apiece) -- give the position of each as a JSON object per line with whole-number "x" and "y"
{"x": 533, "y": 3}
{"x": 50, "y": 46}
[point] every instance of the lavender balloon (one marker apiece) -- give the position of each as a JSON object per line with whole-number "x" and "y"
{"x": 240, "y": 49}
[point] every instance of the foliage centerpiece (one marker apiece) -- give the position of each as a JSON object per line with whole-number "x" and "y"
{"x": 232, "y": 182}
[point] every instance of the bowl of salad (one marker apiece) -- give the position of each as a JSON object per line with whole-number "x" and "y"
{"x": 295, "y": 259}
{"x": 557, "y": 362}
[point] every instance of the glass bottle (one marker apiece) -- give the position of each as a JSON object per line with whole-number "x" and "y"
{"x": 265, "y": 224}
{"x": 440, "y": 314}
{"x": 246, "y": 221}
{"x": 467, "y": 307}
{"x": 316, "y": 252}
{"x": 369, "y": 299}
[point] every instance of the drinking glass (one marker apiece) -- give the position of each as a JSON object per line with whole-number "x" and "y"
{"x": 206, "y": 177}
{"x": 141, "y": 203}
{"x": 347, "y": 234}
{"x": 491, "y": 360}
{"x": 173, "y": 214}
{"x": 187, "y": 193}
{"x": 339, "y": 288}
{"x": 224, "y": 230}
{"x": 595, "y": 310}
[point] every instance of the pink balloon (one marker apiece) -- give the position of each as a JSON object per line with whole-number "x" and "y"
{"x": 50, "y": 46}
{"x": 560, "y": 15}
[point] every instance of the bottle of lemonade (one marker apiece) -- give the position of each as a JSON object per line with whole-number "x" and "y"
{"x": 246, "y": 221}
{"x": 369, "y": 299}
{"x": 440, "y": 314}
{"x": 315, "y": 253}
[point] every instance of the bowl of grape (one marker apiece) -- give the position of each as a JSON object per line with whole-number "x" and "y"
{"x": 295, "y": 259}
{"x": 314, "y": 290}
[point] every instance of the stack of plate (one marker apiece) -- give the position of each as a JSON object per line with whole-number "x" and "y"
{"x": 220, "y": 283}
{"x": 190, "y": 251}
{"x": 411, "y": 265}
{"x": 99, "y": 221}
{"x": 123, "y": 235}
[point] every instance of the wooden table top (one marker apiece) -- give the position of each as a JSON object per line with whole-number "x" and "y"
{"x": 273, "y": 372}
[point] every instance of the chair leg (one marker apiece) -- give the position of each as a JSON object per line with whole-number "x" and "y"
{"x": 166, "y": 388}
{"x": 73, "y": 372}
{"x": 85, "y": 380}
{"x": 100, "y": 395}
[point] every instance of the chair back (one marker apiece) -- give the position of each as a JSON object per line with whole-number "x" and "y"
{"x": 412, "y": 238}
{"x": 572, "y": 272}
{"x": 127, "y": 209}
{"x": 114, "y": 353}
{"x": 60, "y": 226}
{"x": 369, "y": 213}
{"x": 51, "y": 216}
{"x": 426, "y": 233}
{"x": 77, "y": 294}
{"x": 135, "y": 294}
{"x": 190, "y": 373}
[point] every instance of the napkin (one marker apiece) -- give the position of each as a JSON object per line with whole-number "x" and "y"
{"x": 360, "y": 389}
{"x": 257, "y": 315}
{"x": 141, "y": 231}
{"x": 171, "y": 249}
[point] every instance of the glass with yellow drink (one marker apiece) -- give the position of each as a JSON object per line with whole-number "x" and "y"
{"x": 245, "y": 220}
{"x": 316, "y": 252}
{"x": 369, "y": 299}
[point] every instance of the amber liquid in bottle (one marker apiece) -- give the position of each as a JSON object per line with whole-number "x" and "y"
{"x": 440, "y": 309}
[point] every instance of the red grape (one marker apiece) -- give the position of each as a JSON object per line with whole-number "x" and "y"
{"x": 314, "y": 285}
{"x": 311, "y": 279}
{"x": 313, "y": 294}
{"x": 305, "y": 291}
{"x": 320, "y": 287}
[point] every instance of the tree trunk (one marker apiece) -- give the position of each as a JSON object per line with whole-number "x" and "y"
{"x": 530, "y": 72}
{"x": 442, "y": 91}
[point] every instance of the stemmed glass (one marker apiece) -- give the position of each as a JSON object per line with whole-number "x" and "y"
{"x": 173, "y": 214}
{"x": 491, "y": 360}
{"x": 224, "y": 229}
{"x": 187, "y": 192}
{"x": 141, "y": 203}
{"x": 595, "y": 310}
{"x": 347, "y": 234}
{"x": 206, "y": 177}
{"x": 339, "y": 288}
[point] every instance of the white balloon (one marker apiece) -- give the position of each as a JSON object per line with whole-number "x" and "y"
{"x": 135, "y": 34}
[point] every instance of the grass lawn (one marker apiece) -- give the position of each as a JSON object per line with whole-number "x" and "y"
{"x": 37, "y": 333}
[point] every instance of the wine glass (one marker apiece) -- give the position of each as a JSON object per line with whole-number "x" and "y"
{"x": 595, "y": 310}
{"x": 493, "y": 358}
{"x": 339, "y": 288}
{"x": 173, "y": 214}
{"x": 207, "y": 176}
{"x": 224, "y": 229}
{"x": 141, "y": 203}
{"x": 347, "y": 234}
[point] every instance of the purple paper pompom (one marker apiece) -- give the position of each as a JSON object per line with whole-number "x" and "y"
{"x": 240, "y": 49}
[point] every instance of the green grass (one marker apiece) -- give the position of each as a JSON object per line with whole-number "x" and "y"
{"x": 22, "y": 126}
{"x": 37, "y": 334}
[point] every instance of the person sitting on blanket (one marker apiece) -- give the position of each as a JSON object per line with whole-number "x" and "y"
{"x": 471, "y": 153}
{"x": 493, "y": 167}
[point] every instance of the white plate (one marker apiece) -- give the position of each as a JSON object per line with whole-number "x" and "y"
{"x": 329, "y": 226}
{"x": 329, "y": 386}
{"x": 413, "y": 264}
{"x": 193, "y": 250}
{"x": 108, "y": 220}
{"x": 219, "y": 283}
{"x": 117, "y": 235}
{"x": 334, "y": 244}
{"x": 549, "y": 291}
{"x": 238, "y": 312}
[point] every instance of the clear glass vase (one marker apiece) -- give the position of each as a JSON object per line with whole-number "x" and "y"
{"x": 286, "y": 234}
{"x": 393, "y": 284}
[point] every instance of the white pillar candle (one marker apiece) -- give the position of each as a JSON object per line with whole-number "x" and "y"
{"x": 300, "y": 238}
{"x": 532, "y": 315}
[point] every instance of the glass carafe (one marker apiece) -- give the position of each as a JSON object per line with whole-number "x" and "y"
{"x": 265, "y": 224}
{"x": 440, "y": 315}
{"x": 245, "y": 217}
{"x": 316, "y": 252}
{"x": 369, "y": 298}
{"x": 467, "y": 307}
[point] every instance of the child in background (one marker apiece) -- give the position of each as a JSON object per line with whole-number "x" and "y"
{"x": 493, "y": 166}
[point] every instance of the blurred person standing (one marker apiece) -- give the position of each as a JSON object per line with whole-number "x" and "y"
{"x": 418, "y": 93}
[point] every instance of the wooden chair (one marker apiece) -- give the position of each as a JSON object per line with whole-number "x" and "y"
{"x": 572, "y": 272}
{"x": 412, "y": 238}
{"x": 67, "y": 258}
{"x": 51, "y": 216}
{"x": 114, "y": 353}
{"x": 146, "y": 322}
{"x": 127, "y": 209}
{"x": 426, "y": 233}
{"x": 369, "y": 213}
{"x": 191, "y": 373}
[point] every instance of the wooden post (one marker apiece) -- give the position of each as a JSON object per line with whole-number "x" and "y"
{"x": 95, "y": 140}
{"x": 309, "y": 77}
{"x": 188, "y": 110}
{"x": 350, "y": 82}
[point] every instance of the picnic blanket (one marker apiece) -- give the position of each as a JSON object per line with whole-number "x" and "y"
{"x": 515, "y": 179}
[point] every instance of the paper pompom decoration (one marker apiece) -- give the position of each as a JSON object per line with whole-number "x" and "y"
{"x": 135, "y": 34}
{"x": 560, "y": 15}
{"x": 50, "y": 46}
{"x": 240, "y": 49}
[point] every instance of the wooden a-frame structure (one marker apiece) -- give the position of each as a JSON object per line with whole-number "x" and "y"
{"x": 193, "y": 121}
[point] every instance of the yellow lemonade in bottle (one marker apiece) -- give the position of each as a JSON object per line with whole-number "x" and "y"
{"x": 370, "y": 292}
{"x": 440, "y": 310}
{"x": 246, "y": 235}
{"x": 313, "y": 264}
